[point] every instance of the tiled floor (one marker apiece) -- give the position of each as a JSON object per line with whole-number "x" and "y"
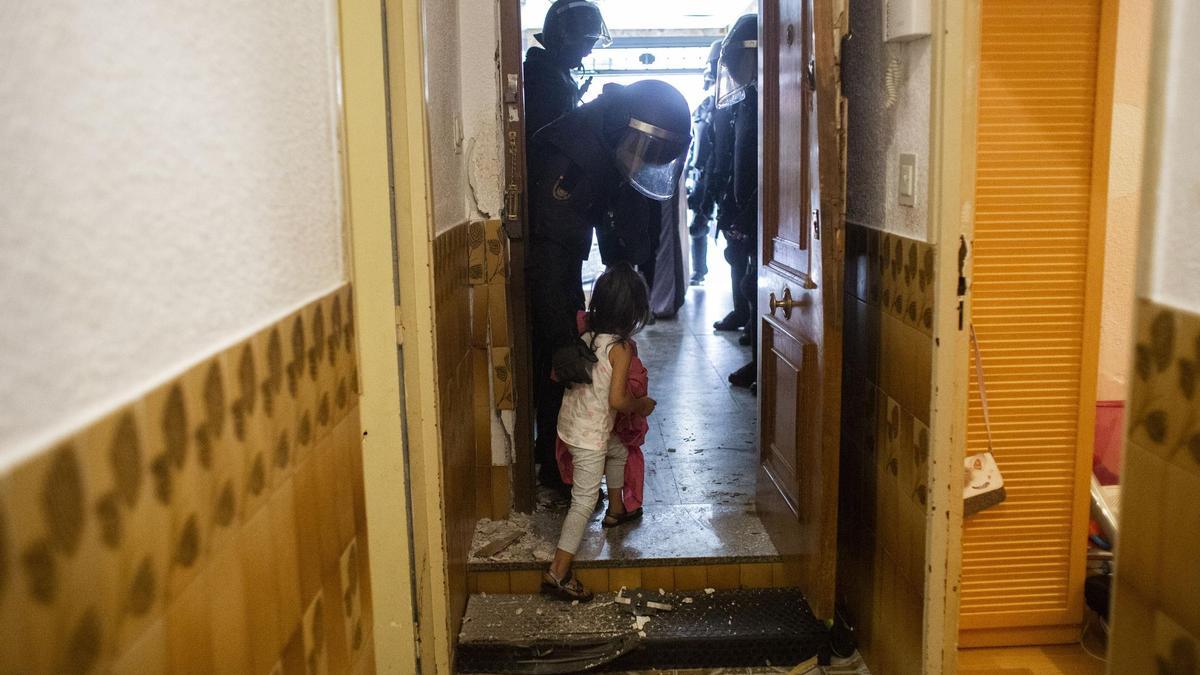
{"x": 701, "y": 448}
{"x": 701, "y": 454}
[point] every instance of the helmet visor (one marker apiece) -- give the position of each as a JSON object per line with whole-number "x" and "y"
{"x": 582, "y": 22}
{"x": 651, "y": 158}
{"x": 736, "y": 72}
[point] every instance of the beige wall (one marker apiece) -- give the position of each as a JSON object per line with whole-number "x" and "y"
{"x": 1124, "y": 192}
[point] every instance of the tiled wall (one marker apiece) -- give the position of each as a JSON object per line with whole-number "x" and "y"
{"x": 490, "y": 351}
{"x": 215, "y": 524}
{"x": 1156, "y": 622}
{"x": 455, "y": 368}
{"x": 470, "y": 311}
{"x": 886, "y": 390}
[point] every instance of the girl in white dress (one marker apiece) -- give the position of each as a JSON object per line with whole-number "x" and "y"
{"x": 619, "y": 308}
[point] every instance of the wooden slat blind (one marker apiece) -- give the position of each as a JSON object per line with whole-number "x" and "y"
{"x": 1033, "y": 188}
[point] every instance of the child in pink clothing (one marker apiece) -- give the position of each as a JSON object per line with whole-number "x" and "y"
{"x": 618, "y": 309}
{"x": 631, "y": 428}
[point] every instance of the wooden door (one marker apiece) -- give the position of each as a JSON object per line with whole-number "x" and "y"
{"x": 799, "y": 306}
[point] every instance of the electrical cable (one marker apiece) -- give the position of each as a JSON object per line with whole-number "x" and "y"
{"x": 1083, "y": 640}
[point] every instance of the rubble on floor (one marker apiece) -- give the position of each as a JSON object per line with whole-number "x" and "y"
{"x": 526, "y": 544}
{"x": 730, "y": 628}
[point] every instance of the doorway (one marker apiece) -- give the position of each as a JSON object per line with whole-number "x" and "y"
{"x": 759, "y": 496}
{"x": 701, "y": 451}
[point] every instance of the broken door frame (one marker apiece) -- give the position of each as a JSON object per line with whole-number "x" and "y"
{"x": 516, "y": 227}
{"x": 952, "y": 122}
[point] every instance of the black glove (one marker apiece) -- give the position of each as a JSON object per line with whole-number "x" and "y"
{"x": 572, "y": 363}
{"x": 699, "y": 227}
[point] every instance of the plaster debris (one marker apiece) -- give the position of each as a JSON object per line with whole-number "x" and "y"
{"x": 519, "y": 611}
{"x": 640, "y": 622}
{"x": 709, "y": 591}
{"x": 688, "y": 601}
{"x": 498, "y": 544}
{"x": 524, "y": 544}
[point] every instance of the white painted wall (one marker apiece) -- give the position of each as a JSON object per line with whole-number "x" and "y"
{"x": 885, "y": 121}
{"x": 461, "y": 99}
{"x": 478, "y": 22}
{"x": 170, "y": 183}
{"x": 1171, "y": 215}
{"x": 443, "y": 108}
{"x": 1130, "y": 81}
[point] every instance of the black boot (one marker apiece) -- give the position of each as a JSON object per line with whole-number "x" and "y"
{"x": 745, "y": 376}
{"x": 732, "y": 321}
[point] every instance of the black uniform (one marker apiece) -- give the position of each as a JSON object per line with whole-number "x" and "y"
{"x": 702, "y": 151}
{"x": 579, "y": 176}
{"x": 719, "y": 192}
{"x": 550, "y": 90}
{"x": 744, "y": 203}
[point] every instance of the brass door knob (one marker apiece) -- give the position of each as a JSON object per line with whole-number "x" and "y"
{"x": 787, "y": 303}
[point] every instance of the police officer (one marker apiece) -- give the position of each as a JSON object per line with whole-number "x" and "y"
{"x": 629, "y": 137}
{"x": 736, "y": 91}
{"x": 571, "y": 29}
{"x": 701, "y": 156}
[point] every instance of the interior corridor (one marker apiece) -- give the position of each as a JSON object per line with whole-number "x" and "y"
{"x": 701, "y": 457}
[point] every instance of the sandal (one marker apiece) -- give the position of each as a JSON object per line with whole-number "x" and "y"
{"x": 567, "y": 588}
{"x": 613, "y": 520}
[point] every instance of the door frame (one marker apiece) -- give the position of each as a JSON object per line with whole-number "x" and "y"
{"x": 952, "y": 124}
{"x": 390, "y": 225}
{"x": 370, "y": 228}
{"x": 515, "y": 225}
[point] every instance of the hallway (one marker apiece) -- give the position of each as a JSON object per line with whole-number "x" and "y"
{"x": 701, "y": 454}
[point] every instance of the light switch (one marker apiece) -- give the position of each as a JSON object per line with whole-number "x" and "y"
{"x": 907, "y": 185}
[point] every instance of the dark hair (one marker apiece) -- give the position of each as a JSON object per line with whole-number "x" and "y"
{"x": 620, "y": 302}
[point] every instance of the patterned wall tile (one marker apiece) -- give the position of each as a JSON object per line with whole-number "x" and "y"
{"x": 351, "y": 599}
{"x": 190, "y": 449}
{"x": 893, "y": 330}
{"x": 316, "y": 657}
{"x": 191, "y": 529}
{"x": 1176, "y": 650}
{"x": 1165, "y": 405}
{"x": 497, "y": 263}
{"x": 1160, "y": 519}
{"x": 477, "y": 258}
{"x": 231, "y": 636}
{"x": 874, "y": 267}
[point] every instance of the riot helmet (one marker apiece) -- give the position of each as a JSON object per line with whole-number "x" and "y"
{"x": 738, "y": 69}
{"x": 710, "y": 70}
{"x": 572, "y": 29}
{"x": 648, "y": 125}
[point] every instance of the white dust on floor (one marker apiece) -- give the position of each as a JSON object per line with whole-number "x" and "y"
{"x": 530, "y": 546}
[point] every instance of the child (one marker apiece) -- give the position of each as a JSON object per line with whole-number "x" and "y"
{"x": 619, "y": 309}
